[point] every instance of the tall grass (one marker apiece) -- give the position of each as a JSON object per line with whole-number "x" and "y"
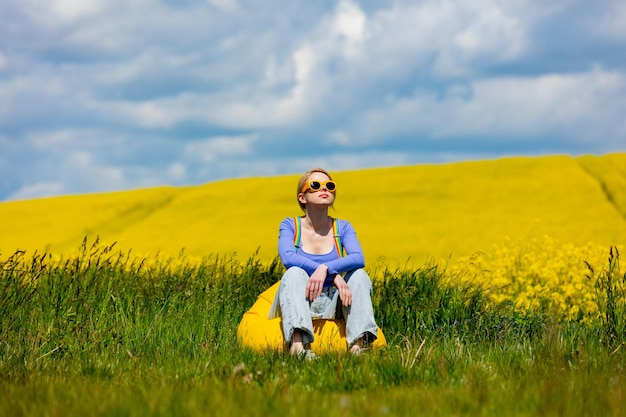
{"x": 105, "y": 333}
{"x": 103, "y": 302}
{"x": 611, "y": 297}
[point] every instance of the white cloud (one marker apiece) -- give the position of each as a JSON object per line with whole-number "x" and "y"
{"x": 74, "y": 9}
{"x": 349, "y": 25}
{"x": 454, "y": 38}
{"x": 304, "y": 59}
{"x": 258, "y": 111}
{"x": 59, "y": 12}
{"x": 225, "y": 5}
{"x": 246, "y": 106}
{"x": 350, "y": 21}
{"x": 613, "y": 23}
{"x": 571, "y": 104}
{"x": 217, "y": 148}
{"x": 55, "y": 140}
{"x": 37, "y": 190}
{"x": 583, "y": 107}
{"x": 177, "y": 172}
{"x": 340, "y": 137}
{"x": 491, "y": 31}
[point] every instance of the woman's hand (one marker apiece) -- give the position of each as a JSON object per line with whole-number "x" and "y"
{"x": 344, "y": 290}
{"x": 316, "y": 282}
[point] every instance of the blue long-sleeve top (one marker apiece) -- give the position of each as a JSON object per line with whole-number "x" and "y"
{"x": 292, "y": 256}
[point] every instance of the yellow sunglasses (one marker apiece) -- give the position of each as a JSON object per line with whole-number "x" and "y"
{"x": 317, "y": 185}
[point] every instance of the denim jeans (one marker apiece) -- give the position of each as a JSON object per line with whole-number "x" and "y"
{"x": 298, "y": 312}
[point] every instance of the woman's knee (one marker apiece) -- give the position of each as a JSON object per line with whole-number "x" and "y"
{"x": 294, "y": 275}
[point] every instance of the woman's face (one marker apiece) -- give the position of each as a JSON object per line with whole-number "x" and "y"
{"x": 322, "y": 197}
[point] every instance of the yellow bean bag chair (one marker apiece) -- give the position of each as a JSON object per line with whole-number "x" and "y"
{"x": 258, "y": 332}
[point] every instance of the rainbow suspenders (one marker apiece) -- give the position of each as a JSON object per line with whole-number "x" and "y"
{"x": 298, "y": 235}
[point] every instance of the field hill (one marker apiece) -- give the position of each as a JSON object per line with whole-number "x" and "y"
{"x": 415, "y": 213}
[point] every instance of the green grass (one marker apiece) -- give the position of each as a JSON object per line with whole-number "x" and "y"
{"x": 103, "y": 334}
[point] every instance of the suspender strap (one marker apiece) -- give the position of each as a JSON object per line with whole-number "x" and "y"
{"x": 297, "y": 236}
{"x": 337, "y": 237}
{"x": 298, "y": 232}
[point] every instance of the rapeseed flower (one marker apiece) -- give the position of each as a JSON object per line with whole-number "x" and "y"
{"x": 538, "y": 273}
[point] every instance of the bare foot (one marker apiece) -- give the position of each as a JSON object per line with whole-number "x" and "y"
{"x": 296, "y": 348}
{"x": 359, "y": 347}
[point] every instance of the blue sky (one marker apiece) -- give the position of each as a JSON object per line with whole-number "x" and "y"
{"x": 103, "y": 95}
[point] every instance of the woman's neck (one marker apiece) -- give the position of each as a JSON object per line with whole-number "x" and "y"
{"x": 317, "y": 218}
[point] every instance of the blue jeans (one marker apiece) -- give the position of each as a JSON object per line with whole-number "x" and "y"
{"x": 298, "y": 312}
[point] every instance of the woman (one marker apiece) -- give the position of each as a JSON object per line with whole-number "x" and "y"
{"x": 324, "y": 264}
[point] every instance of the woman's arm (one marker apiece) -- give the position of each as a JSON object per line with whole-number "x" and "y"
{"x": 288, "y": 253}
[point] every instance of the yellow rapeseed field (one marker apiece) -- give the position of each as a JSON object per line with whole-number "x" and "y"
{"x": 419, "y": 212}
{"x": 521, "y": 227}
{"x": 541, "y": 272}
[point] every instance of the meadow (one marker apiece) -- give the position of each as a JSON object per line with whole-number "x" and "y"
{"x": 104, "y": 333}
{"x": 498, "y": 285}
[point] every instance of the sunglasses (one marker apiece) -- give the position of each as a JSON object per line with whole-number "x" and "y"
{"x": 317, "y": 185}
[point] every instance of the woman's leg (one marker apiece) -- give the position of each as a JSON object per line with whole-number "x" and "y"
{"x": 360, "y": 321}
{"x": 295, "y": 307}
